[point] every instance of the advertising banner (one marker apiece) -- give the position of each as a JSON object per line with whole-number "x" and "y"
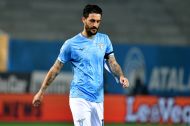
{"x": 31, "y": 82}
{"x": 3, "y": 51}
{"x": 18, "y": 107}
{"x": 151, "y": 69}
{"x": 61, "y": 85}
{"x": 117, "y": 109}
{"x": 28, "y": 56}
{"x": 14, "y": 82}
{"x": 151, "y": 109}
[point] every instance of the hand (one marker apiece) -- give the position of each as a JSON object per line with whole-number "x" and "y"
{"x": 124, "y": 81}
{"x": 37, "y": 100}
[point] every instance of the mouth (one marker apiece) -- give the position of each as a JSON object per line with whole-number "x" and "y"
{"x": 94, "y": 30}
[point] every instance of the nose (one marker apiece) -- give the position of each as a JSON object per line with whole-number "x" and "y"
{"x": 96, "y": 24}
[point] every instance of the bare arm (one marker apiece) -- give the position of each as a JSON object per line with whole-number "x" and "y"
{"x": 116, "y": 69}
{"x": 51, "y": 75}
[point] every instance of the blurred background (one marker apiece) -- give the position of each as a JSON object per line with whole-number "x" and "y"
{"x": 151, "y": 41}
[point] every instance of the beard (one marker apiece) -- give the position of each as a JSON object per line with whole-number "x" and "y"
{"x": 91, "y": 31}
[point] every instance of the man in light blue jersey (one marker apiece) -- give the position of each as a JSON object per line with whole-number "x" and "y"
{"x": 87, "y": 51}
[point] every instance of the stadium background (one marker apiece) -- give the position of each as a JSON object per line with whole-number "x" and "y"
{"x": 151, "y": 42}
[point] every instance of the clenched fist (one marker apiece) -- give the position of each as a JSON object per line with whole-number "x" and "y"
{"x": 124, "y": 81}
{"x": 37, "y": 100}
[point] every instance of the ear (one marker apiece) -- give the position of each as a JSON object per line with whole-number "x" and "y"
{"x": 83, "y": 19}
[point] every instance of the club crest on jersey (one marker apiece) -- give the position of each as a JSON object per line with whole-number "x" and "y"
{"x": 100, "y": 45}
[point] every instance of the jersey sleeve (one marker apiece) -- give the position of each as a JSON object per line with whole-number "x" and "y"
{"x": 109, "y": 48}
{"x": 65, "y": 53}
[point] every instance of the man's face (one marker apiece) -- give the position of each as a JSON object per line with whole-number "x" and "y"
{"x": 92, "y": 23}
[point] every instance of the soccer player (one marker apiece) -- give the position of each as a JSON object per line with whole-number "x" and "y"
{"x": 87, "y": 52}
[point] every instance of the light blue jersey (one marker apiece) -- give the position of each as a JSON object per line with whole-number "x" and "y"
{"x": 87, "y": 58}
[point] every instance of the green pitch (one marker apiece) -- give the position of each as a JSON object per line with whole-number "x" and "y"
{"x": 69, "y": 124}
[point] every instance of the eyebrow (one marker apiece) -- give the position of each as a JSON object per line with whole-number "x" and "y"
{"x": 95, "y": 20}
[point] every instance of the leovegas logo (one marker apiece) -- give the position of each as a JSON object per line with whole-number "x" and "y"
{"x": 153, "y": 109}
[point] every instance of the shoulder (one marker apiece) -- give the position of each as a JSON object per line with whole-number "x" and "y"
{"x": 76, "y": 37}
{"x": 102, "y": 35}
{"x": 71, "y": 40}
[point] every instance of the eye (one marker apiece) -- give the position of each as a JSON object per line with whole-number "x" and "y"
{"x": 92, "y": 20}
{"x": 98, "y": 21}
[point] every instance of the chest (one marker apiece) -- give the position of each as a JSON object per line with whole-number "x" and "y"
{"x": 88, "y": 51}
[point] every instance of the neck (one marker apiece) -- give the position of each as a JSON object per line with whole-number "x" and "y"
{"x": 84, "y": 33}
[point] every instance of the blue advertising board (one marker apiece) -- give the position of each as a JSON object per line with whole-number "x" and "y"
{"x": 151, "y": 69}
{"x": 28, "y": 56}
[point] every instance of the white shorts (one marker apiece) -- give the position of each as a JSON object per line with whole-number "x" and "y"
{"x": 86, "y": 113}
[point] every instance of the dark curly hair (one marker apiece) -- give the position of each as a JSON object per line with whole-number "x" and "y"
{"x": 91, "y": 9}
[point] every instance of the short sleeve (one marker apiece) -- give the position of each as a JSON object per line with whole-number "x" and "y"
{"x": 109, "y": 48}
{"x": 65, "y": 53}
